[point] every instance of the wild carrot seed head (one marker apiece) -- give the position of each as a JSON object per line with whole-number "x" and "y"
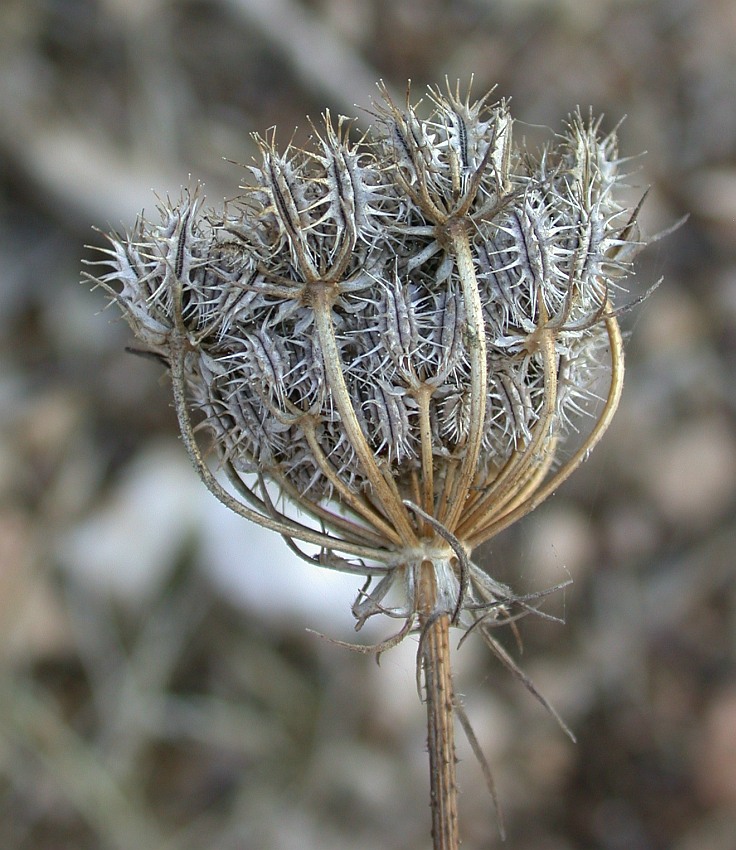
{"x": 417, "y": 316}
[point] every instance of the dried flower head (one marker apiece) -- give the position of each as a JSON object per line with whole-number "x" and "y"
{"x": 393, "y": 335}
{"x": 390, "y": 340}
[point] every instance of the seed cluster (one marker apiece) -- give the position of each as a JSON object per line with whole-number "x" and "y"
{"x": 393, "y": 333}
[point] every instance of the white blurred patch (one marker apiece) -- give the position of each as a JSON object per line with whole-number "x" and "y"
{"x": 128, "y": 545}
{"x": 253, "y": 567}
{"x": 131, "y": 542}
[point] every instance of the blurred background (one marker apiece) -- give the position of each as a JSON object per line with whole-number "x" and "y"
{"x": 158, "y": 685}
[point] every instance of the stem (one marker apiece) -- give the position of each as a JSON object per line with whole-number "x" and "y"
{"x": 434, "y": 657}
{"x": 350, "y": 498}
{"x": 512, "y": 478}
{"x": 604, "y": 420}
{"x": 281, "y": 524}
{"x": 425, "y": 430}
{"x": 383, "y": 486}
{"x": 476, "y": 344}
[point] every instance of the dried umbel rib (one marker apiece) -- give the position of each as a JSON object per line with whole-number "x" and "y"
{"x": 391, "y": 338}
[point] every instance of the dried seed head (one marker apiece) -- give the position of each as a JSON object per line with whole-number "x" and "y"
{"x": 396, "y": 335}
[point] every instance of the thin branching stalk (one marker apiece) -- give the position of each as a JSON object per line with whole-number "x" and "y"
{"x": 476, "y": 344}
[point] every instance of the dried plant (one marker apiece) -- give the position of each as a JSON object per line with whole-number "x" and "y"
{"x": 389, "y": 341}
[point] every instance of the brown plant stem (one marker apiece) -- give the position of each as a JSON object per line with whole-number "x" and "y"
{"x": 439, "y": 697}
{"x": 475, "y": 332}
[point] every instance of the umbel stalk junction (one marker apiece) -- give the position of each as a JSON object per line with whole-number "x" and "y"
{"x": 389, "y": 340}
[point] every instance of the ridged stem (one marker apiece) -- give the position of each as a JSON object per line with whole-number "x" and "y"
{"x": 440, "y": 702}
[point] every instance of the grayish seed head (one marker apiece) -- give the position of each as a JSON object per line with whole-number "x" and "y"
{"x": 356, "y": 235}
